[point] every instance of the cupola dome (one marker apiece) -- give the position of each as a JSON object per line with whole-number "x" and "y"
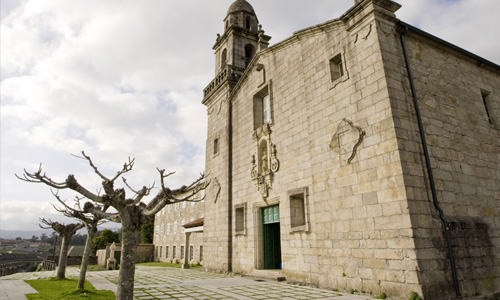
{"x": 240, "y": 5}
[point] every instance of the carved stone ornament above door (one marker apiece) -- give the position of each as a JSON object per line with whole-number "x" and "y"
{"x": 264, "y": 162}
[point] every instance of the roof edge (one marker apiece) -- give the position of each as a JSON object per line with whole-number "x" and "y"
{"x": 449, "y": 45}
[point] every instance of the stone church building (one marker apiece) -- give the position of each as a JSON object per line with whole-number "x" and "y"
{"x": 358, "y": 154}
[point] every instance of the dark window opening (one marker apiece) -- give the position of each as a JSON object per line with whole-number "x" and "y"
{"x": 247, "y": 23}
{"x": 336, "y": 67}
{"x": 216, "y": 146}
{"x": 249, "y": 53}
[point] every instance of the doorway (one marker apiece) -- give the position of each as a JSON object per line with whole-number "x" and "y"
{"x": 271, "y": 237}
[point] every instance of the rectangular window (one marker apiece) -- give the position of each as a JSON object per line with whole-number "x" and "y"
{"x": 216, "y": 146}
{"x": 240, "y": 210}
{"x": 166, "y": 251}
{"x": 201, "y": 253}
{"x": 262, "y": 108}
{"x": 191, "y": 254}
{"x": 336, "y": 67}
{"x": 182, "y": 252}
{"x": 173, "y": 251}
{"x": 162, "y": 229}
{"x": 298, "y": 209}
{"x": 161, "y": 250}
{"x": 156, "y": 251}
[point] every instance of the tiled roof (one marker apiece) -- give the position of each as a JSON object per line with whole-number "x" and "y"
{"x": 194, "y": 223}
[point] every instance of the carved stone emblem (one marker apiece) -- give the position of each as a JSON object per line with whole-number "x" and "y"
{"x": 264, "y": 162}
{"x": 346, "y": 140}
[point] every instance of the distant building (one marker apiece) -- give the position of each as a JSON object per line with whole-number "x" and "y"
{"x": 27, "y": 246}
{"x": 4, "y": 243}
{"x": 315, "y": 154}
{"x": 170, "y": 234}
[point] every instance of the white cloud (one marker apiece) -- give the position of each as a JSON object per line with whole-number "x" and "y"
{"x": 469, "y": 24}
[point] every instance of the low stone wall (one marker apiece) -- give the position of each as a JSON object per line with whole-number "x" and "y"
{"x": 145, "y": 253}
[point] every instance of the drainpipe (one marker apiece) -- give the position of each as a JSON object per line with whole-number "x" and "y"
{"x": 429, "y": 167}
{"x": 230, "y": 186}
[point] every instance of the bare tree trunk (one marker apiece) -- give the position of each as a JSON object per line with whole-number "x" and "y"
{"x": 63, "y": 256}
{"x": 91, "y": 231}
{"x": 128, "y": 256}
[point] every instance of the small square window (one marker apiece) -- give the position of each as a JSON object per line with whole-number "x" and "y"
{"x": 336, "y": 67}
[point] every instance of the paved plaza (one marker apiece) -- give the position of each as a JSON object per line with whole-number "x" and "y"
{"x": 171, "y": 283}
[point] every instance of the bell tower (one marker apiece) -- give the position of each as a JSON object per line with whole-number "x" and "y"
{"x": 243, "y": 37}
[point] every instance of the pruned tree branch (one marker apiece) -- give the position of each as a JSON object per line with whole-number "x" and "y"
{"x": 139, "y": 195}
{"x": 38, "y": 177}
{"x": 127, "y": 167}
{"x": 168, "y": 196}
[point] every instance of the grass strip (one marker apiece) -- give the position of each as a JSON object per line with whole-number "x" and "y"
{"x": 59, "y": 289}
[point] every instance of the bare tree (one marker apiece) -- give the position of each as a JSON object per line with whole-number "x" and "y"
{"x": 91, "y": 221}
{"x": 66, "y": 232}
{"x": 132, "y": 212}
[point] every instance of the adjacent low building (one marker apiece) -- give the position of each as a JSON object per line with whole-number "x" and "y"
{"x": 176, "y": 222}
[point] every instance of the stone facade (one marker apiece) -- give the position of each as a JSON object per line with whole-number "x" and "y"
{"x": 317, "y": 164}
{"x": 169, "y": 237}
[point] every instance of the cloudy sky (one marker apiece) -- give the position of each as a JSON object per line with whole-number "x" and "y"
{"x": 125, "y": 78}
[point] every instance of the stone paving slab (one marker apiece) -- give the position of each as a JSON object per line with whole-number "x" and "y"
{"x": 171, "y": 283}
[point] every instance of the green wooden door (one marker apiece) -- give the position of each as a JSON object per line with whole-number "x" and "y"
{"x": 271, "y": 237}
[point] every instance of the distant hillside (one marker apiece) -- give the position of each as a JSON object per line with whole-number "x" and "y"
{"x": 25, "y": 234}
